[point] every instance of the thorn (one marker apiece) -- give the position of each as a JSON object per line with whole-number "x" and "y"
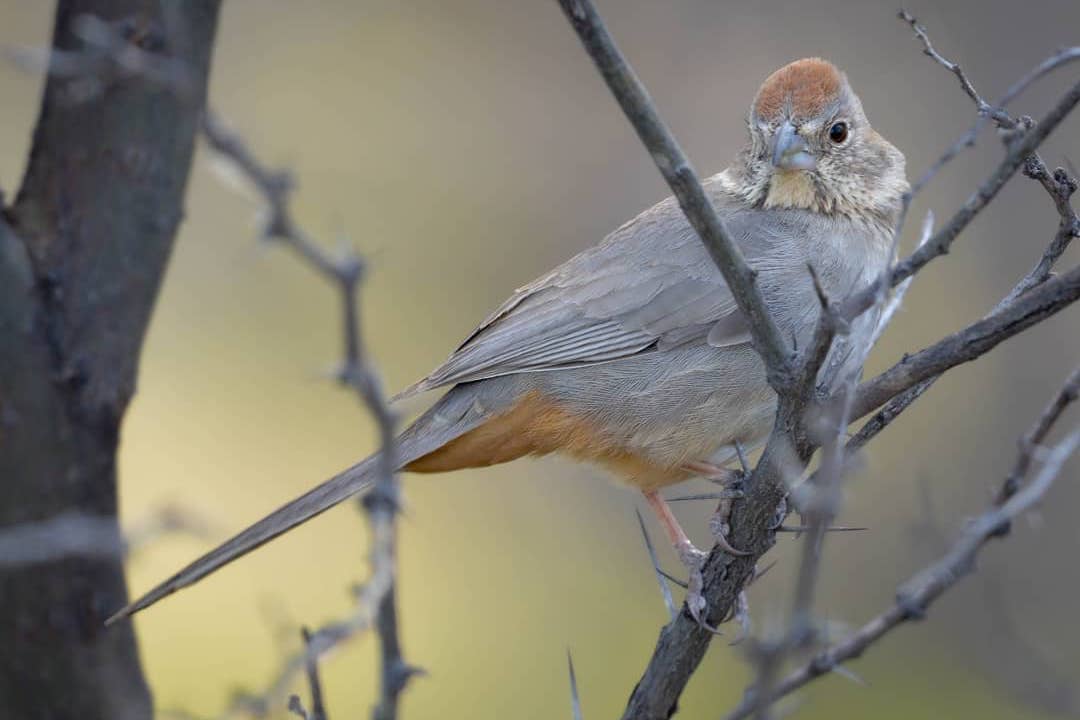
{"x": 665, "y": 591}
{"x": 822, "y": 296}
{"x": 725, "y": 495}
{"x": 297, "y": 708}
{"x": 575, "y": 701}
{"x": 758, "y": 574}
{"x": 744, "y": 461}
{"x": 806, "y": 528}
{"x": 849, "y": 674}
{"x": 672, "y": 578}
{"x": 912, "y": 609}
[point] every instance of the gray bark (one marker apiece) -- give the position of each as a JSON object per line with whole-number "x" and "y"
{"x": 82, "y": 253}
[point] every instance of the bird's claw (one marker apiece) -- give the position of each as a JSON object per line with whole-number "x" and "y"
{"x": 694, "y": 560}
{"x": 720, "y": 529}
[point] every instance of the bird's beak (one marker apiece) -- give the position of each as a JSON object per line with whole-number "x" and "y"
{"x": 790, "y": 151}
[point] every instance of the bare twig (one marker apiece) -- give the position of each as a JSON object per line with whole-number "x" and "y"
{"x": 987, "y": 112}
{"x": 889, "y": 412}
{"x": 1061, "y": 190}
{"x": 377, "y": 597}
{"x": 973, "y": 341}
{"x": 168, "y": 519}
{"x": 1034, "y": 438}
{"x": 318, "y": 710}
{"x": 984, "y": 107}
{"x": 1058, "y": 185}
{"x": 685, "y": 185}
{"x": 1020, "y": 149}
{"x": 916, "y": 595}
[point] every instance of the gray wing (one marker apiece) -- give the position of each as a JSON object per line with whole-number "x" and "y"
{"x": 649, "y": 285}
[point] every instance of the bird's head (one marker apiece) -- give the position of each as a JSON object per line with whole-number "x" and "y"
{"x": 811, "y": 147}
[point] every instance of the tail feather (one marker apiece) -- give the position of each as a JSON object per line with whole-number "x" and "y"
{"x": 460, "y": 410}
{"x": 314, "y": 502}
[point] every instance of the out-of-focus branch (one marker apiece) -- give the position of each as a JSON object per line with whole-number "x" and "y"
{"x": 376, "y": 599}
{"x": 918, "y": 593}
{"x": 1035, "y": 437}
{"x": 87, "y": 535}
{"x": 1058, "y": 185}
{"x": 168, "y": 519}
{"x": 1058, "y": 59}
{"x": 1020, "y": 148}
{"x": 1061, "y": 187}
{"x": 973, "y": 341}
{"x": 899, "y": 403}
{"x": 685, "y": 185}
{"x": 985, "y": 108}
{"x": 318, "y": 709}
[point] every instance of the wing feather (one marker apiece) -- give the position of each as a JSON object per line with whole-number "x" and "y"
{"x": 649, "y": 285}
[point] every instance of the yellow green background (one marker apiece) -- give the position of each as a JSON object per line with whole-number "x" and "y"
{"x": 465, "y": 147}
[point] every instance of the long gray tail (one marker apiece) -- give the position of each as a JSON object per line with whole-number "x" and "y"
{"x": 460, "y": 410}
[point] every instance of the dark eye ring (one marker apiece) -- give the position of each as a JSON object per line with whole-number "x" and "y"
{"x": 838, "y": 132}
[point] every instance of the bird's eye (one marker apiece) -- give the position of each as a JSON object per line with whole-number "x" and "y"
{"x": 838, "y": 132}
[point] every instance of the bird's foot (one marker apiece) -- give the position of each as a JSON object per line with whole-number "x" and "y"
{"x": 720, "y": 528}
{"x": 694, "y": 560}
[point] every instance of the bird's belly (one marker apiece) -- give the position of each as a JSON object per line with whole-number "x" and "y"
{"x": 657, "y": 411}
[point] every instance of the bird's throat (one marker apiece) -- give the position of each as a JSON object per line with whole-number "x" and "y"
{"x": 792, "y": 189}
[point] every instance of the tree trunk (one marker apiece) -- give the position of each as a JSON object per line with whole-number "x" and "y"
{"x": 82, "y": 254}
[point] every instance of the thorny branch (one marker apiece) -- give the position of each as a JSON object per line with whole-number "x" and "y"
{"x": 1060, "y": 187}
{"x": 819, "y": 498}
{"x": 376, "y": 598}
{"x": 682, "y": 643}
{"x": 917, "y": 594}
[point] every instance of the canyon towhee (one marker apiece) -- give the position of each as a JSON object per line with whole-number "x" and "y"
{"x": 633, "y": 354}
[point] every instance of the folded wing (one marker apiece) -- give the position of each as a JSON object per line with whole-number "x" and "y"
{"x": 650, "y": 285}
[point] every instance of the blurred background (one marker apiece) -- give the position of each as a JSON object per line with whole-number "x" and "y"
{"x": 465, "y": 148}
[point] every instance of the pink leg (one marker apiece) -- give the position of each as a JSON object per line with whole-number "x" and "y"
{"x": 689, "y": 554}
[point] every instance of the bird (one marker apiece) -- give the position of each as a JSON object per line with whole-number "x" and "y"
{"x": 633, "y": 355}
